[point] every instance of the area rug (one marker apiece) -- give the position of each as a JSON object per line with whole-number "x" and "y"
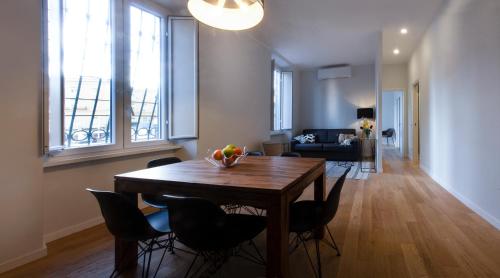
{"x": 336, "y": 169}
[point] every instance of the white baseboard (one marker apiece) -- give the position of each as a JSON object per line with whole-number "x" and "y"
{"x": 23, "y": 259}
{"x": 78, "y": 227}
{"x": 42, "y": 252}
{"x": 466, "y": 201}
{"x": 73, "y": 229}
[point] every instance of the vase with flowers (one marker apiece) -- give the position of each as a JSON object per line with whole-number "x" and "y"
{"x": 366, "y": 127}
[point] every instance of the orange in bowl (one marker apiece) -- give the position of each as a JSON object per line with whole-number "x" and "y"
{"x": 217, "y": 155}
{"x": 238, "y": 151}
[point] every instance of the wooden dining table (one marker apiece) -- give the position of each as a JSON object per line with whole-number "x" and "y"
{"x": 266, "y": 182}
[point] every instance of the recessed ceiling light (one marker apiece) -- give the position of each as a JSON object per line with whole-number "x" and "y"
{"x": 404, "y": 31}
{"x": 395, "y": 51}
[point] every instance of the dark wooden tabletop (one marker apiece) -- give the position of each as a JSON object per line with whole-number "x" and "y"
{"x": 266, "y": 173}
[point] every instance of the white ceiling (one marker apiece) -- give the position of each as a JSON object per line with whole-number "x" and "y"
{"x": 316, "y": 33}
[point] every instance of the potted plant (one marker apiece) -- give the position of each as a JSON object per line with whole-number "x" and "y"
{"x": 366, "y": 127}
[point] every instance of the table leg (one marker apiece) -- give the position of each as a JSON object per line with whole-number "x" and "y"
{"x": 125, "y": 251}
{"x": 319, "y": 195}
{"x": 277, "y": 239}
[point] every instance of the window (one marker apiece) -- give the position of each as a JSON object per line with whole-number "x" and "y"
{"x": 145, "y": 75}
{"x": 282, "y": 99}
{"x": 106, "y": 77}
{"x": 80, "y": 61}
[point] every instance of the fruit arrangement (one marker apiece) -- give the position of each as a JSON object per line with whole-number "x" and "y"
{"x": 226, "y": 157}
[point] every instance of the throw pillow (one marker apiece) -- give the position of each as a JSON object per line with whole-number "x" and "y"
{"x": 341, "y": 138}
{"x": 307, "y": 138}
{"x": 301, "y": 138}
{"x": 347, "y": 139}
{"x": 310, "y": 138}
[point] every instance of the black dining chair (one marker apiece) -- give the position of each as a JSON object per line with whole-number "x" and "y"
{"x": 308, "y": 216}
{"x": 126, "y": 222}
{"x": 156, "y": 200}
{"x": 291, "y": 154}
{"x": 255, "y": 153}
{"x": 389, "y": 133}
{"x": 214, "y": 235}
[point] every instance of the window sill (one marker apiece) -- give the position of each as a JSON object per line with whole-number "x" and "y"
{"x": 74, "y": 159}
{"x": 280, "y": 132}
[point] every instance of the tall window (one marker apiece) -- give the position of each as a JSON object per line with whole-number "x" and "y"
{"x": 145, "y": 74}
{"x": 105, "y": 77}
{"x": 80, "y": 67}
{"x": 282, "y": 99}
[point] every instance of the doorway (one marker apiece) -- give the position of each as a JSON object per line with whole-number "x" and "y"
{"x": 416, "y": 123}
{"x": 393, "y": 119}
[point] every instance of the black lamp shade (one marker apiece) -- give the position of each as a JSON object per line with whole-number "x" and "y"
{"x": 365, "y": 113}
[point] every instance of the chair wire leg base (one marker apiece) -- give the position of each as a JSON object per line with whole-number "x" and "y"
{"x": 191, "y": 265}
{"x": 308, "y": 256}
{"x": 318, "y": 257}
{"x": 334, "y": 246}
{"x": 256, "y": 259}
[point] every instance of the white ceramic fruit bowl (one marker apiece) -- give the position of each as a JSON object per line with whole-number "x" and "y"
{"x": 225, "y": 162}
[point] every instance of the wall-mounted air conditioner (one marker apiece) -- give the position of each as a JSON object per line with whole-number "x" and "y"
{"x": 334, "y": 72}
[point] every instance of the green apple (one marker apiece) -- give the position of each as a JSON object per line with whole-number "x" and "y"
{"x": 228, "y": 152}
{"x": 231, "y": 146}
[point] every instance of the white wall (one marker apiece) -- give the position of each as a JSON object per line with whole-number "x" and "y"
{"x": 395, "y": 78}
{"x": 21, "y": 198}
{"x": 332, "y": 103}
{"x": 388, "y": 102}
{"x": 235, "y": 95}
{"x": 458, "y": 66}
{"x": 67, "y": 207}
{"x": 235, "y": 90}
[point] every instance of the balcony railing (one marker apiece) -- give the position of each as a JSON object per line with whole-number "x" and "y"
{"x": 88, "y": 113}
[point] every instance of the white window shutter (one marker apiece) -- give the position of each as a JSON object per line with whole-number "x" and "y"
{"x": 287, "y": 99}
{"x": 183, "y": 77}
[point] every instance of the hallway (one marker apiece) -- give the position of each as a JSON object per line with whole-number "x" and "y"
{"x": 397, "y": 224}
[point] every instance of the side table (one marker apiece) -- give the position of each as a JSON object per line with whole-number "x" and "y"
{"x": 370, "y": 145}
{"x": 275, "y": 148}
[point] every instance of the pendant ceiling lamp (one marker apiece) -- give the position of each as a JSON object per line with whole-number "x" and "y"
{"x": 228, "y": 14}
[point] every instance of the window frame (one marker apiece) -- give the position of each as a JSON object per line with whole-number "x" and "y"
{"x": 282, "y": 70}
{"x": 163, "y": 115}
{"x": 120, "y": 92}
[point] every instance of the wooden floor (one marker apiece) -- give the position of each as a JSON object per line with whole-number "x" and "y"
{"x": 397, "y": 224}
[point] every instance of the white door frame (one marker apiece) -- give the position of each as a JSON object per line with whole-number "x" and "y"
{"x": 399, "y": 122}
{"x": 416, "y": 122}
{"x": 403, "y": 133}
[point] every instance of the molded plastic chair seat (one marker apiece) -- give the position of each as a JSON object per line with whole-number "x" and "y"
{"x": 235, "y": 229}
{"x": 291, "y": 154}
{"x": 307, "y": 215}
{"x": 245, "y": 227}
{"x": 214, "y": 235}
{"x": 255, "y": 153}
{"x": 157, "y": 200}
{"x": 159, "y": 221}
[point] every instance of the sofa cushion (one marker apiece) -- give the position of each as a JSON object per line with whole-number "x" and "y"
{"x": 336, "y": 147}
{"x": 309, "y": 147}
